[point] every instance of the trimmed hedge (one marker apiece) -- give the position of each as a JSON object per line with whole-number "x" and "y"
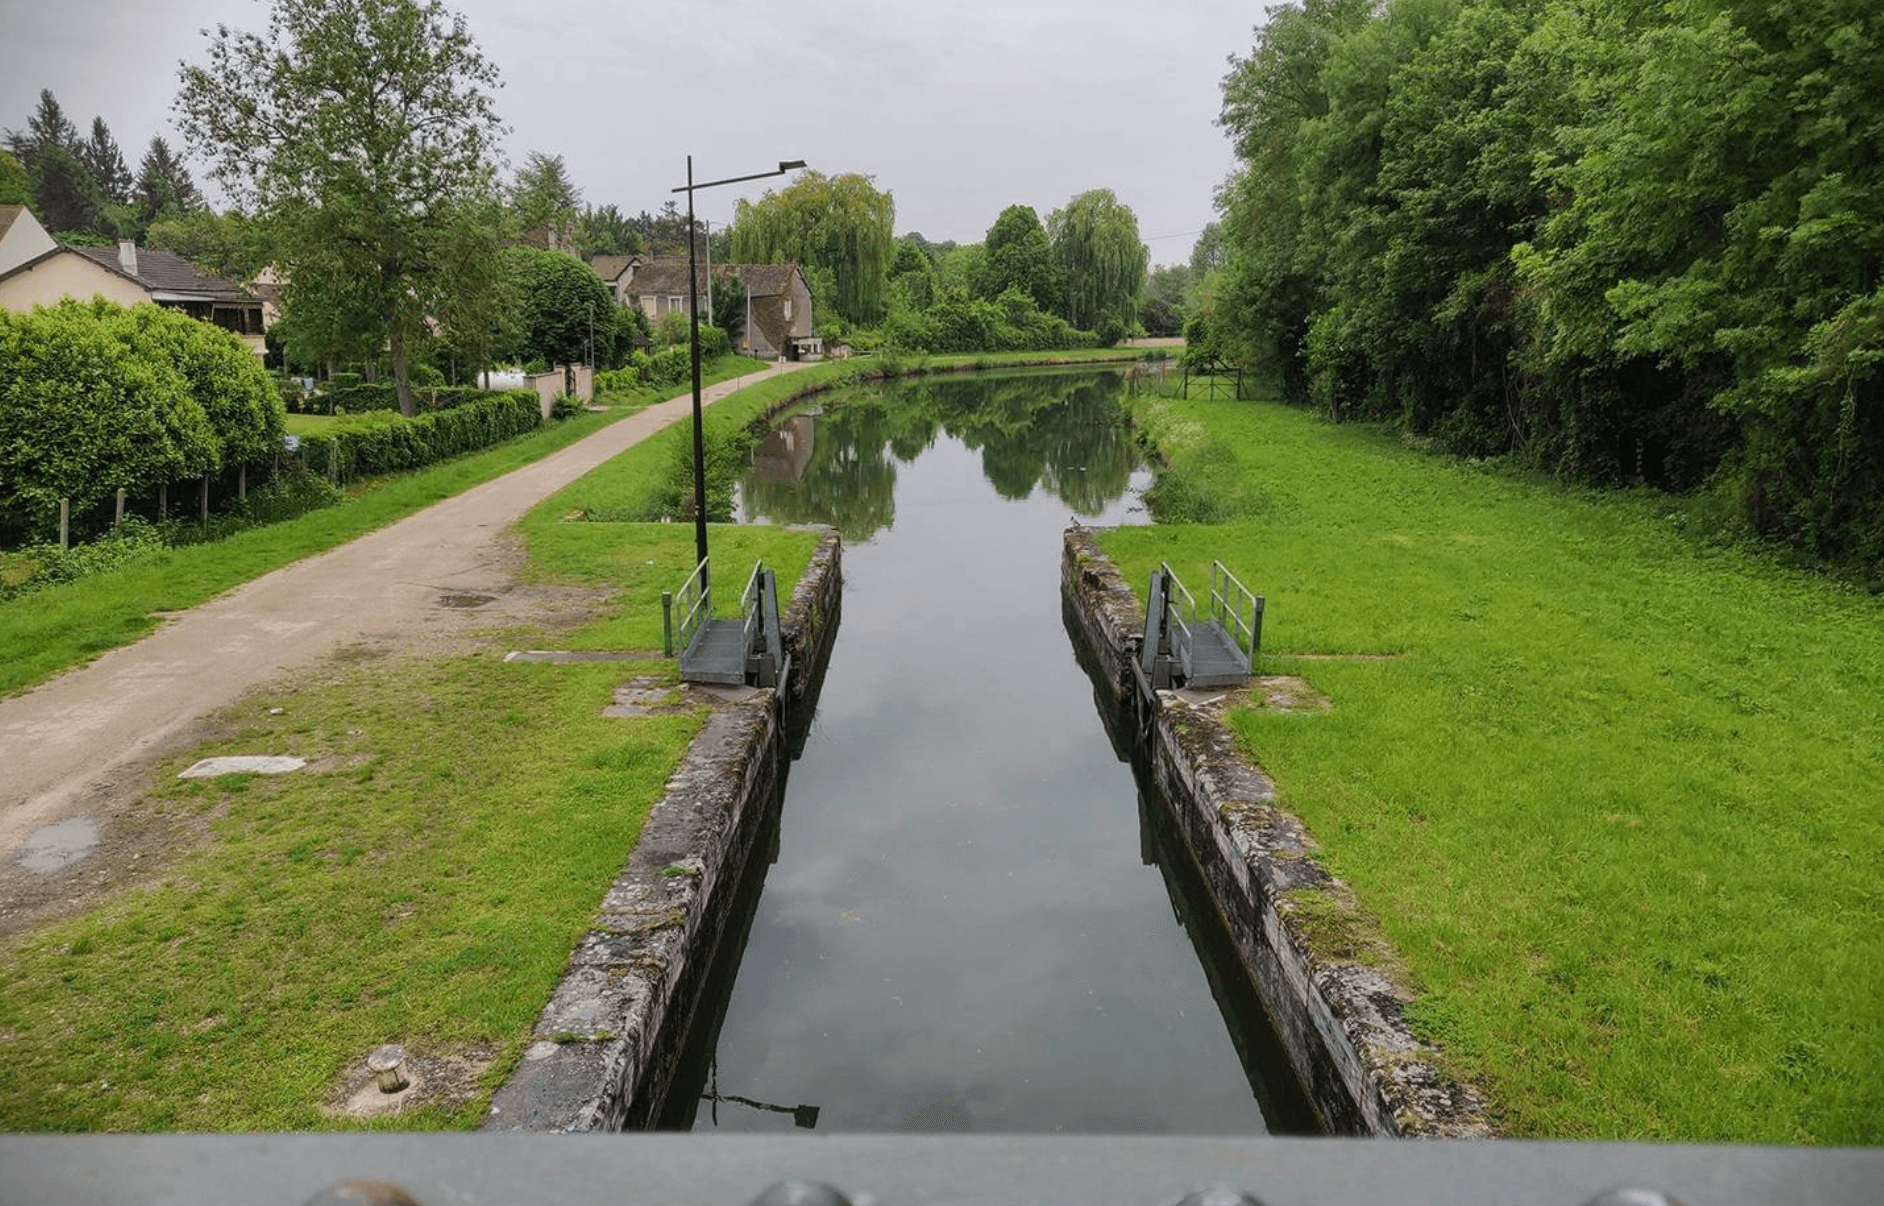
{"x": 387, "y": 443}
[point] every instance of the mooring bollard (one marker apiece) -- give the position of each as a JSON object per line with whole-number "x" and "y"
{"x": 386, "y": 1065}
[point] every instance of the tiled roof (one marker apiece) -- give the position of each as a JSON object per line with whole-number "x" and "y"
{"x": 668, "y": 275}
{"x": 610, "y": 267}
{"x": 766, "y": 280}
{"x": 665, "y": 274}
{"x": 167, "y": 272}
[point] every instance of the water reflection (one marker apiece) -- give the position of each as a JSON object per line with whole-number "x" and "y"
{"x": 958, "y": 933}
{"x": 1064, "y": 432}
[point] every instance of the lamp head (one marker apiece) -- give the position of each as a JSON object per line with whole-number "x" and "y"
{"x": 786, "y": 167}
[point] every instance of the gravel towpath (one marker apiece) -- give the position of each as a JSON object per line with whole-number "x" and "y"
{"x": 73, "y": 748}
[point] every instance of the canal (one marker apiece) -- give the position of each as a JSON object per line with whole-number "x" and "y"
{"x": 965, "y": 927}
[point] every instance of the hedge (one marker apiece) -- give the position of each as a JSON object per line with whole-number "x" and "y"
{"x": 386, "y": 443}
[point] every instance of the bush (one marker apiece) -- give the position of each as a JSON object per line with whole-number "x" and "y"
{"x": 95, "y": 397}
{"x": 38, "y": 566}
{"x": 386, "y": 443}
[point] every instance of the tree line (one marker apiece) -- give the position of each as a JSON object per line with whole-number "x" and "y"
{"x": 79, "y": 187}
{"x": 1623, "y": 240}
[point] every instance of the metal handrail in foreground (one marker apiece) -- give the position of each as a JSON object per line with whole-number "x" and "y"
{"x": 1181, "y": 610}
{"x": 696, "y": 603}
{"x": 750, "y": 617}
{"x": 1238, "y": 611}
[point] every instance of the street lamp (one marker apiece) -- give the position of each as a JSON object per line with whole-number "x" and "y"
{"x": 693, "y": 313}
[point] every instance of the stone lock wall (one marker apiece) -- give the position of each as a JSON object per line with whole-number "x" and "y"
{"x": 608, "y": 1044}
{"x": 1341, "y": 1022}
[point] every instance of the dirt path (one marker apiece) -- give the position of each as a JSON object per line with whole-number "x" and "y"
{"x": 75, "y": 751}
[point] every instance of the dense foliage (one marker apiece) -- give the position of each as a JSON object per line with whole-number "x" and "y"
{"x": 385, "y": 443}
{"x": 1626, "y": 242}
{"x": 361, "y": 131}
{"x": 79, "y": 186}
{"x": 837, "y": 228}
{"x": 96, "y": 397}
{"x": 1100, "y": 260}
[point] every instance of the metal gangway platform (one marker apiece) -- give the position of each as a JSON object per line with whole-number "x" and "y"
{"x": 1212, "y": 647}
{"x": 744, "y": 650}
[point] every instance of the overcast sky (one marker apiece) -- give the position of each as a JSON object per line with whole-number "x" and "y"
{"x": 958, "y": 109}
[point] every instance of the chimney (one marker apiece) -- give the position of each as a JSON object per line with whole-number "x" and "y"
{"x": 127, "y": 256}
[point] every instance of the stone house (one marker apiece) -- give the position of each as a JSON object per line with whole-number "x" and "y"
{"x": 126, "y": 274}
{"x": 779, "y": 318}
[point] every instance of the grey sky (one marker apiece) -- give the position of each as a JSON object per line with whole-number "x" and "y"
{"x": 957, "y": 109}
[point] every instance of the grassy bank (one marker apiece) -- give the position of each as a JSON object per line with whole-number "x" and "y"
{"x": 1612, "y": 794}
{"x": 52, "y": 630}
{"x": 423, "y": 882}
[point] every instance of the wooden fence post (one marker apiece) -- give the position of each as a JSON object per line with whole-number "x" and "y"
{"x": 204, "y": 512}
{"x": 65, "y": 522}
{"x": 163, "y": 500}
{"x": 242, "y": 484}
{"x": 117, "y": 521}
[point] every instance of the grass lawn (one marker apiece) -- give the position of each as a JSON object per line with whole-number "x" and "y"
{"x": 423, "y": 883}
{"x": 1615, "y": 797}
{"x": 52, "y": 630}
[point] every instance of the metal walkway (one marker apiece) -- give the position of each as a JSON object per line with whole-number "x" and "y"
{"x": 1214, "y": 648}
{"x": 747, "y": 650}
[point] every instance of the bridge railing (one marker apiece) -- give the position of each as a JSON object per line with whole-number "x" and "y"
{"x": 695, "y": 599}
{"x": 1181, "y": 615}
{"x": 1238, "y": 611}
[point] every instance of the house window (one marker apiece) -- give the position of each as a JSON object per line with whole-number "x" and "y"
{"x": 673, "y": 302}
{"x": 788, "y": 309}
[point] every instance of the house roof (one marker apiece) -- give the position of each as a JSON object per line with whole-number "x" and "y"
{"x": 610, "y": 267}
{"x": 7, "y": 214}
{"x": 167, "y": 272}
{"x": 664, "y": 274}
{"x": 766, "y": 280}
{"x": 668, "y": 274}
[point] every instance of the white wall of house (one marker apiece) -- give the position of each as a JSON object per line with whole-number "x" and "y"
{"x": 24, "y": 239}
{"x": 66, "y": 275}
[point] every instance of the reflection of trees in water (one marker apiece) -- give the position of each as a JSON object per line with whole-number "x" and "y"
{"x": 1064, "y": 431}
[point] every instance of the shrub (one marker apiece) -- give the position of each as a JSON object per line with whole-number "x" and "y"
{"x": 386, "y": 443}
{"x": 41, "y": 565}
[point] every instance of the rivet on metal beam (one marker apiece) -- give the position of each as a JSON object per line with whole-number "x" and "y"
{"x": 801, "y": 1193}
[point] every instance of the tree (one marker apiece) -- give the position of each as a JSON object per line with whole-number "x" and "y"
{"x": 65, "y": 197}
{"x": 47, "y": 127}
{"x": 565, "y": 308}
{"x": 605, "y": 230}
{"x": 232, "y": 245}
{"x": 840, "y": 224}
{"x": 545, "y": 199}
{"x": 1096, "y": 247}
{"x": 16, "y": 188}
{"x": 101, "y": 157}
{"x": 1018, "y": 257}
{"x": 164, "y": 188}
{"x": 358, "y": 129}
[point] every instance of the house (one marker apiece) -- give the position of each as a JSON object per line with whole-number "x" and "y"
{"x": 126, "y": 274}
{"x": 21, "y": 237}
{"x": 779, "y": 319}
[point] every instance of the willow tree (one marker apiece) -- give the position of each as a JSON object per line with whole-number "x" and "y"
{"x": 842, "y": 224}
{"x": 360, "y": 131}
{"x": 1101, "y": 258}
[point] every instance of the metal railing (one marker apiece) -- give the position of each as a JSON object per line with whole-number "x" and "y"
{"x": 1181, "y": 612}
{"x": 696, "y": 606}
{"x": 1238, "y": 611}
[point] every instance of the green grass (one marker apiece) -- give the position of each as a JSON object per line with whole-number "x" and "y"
{"x": 425, "y": 888}
{"x": 423, "y": 882}
{"x": 49, "y": 631}
{"x": 1616, "y": 801}
{"x": 308, "y": 424}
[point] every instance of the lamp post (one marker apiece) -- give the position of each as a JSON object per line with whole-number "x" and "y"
{"x": 693, "y": 313}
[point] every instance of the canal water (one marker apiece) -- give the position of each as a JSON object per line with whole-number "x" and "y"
{"x": 960, "y": 931}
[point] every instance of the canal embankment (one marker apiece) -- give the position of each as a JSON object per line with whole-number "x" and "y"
{"x": 1339, "y": 1015}
{"x": 607, "y": 1044}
